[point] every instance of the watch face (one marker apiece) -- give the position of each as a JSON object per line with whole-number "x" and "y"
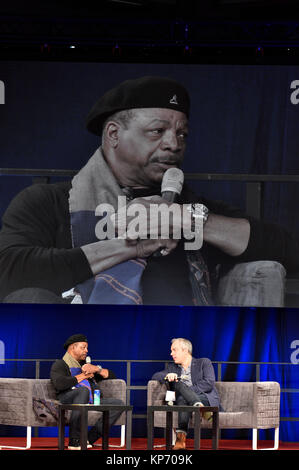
{"x": 199, "y": 210}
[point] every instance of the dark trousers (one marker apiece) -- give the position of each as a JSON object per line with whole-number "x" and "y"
{"x": 80, "y": 395}
{"x": 186, "y": 396}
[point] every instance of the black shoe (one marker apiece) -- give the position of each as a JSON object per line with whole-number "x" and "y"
{"x": 74, "y": 444}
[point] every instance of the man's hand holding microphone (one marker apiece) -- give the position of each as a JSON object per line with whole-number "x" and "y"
{"x": 171, "y": 377}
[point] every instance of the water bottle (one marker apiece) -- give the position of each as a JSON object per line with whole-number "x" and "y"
{"x": 97, "y": 397}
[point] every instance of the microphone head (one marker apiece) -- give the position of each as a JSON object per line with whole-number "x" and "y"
{"x": 173, "y": 180}
{"x": 184, "y": 377}
{"x": 88, "y": 360}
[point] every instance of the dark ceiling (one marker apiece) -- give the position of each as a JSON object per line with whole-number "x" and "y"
{"x": 166, "y": 9}
{"x": 129, "y": 28}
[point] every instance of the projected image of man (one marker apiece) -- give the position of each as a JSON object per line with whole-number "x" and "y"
{"x": 50, "y": 250}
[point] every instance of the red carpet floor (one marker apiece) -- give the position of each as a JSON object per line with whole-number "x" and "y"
{"x": 50, "y": 443}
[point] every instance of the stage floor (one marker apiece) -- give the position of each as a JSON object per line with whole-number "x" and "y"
{"x": 51, "y": 443}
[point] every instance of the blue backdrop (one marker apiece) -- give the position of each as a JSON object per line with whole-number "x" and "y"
{"x": 144, "y": 333}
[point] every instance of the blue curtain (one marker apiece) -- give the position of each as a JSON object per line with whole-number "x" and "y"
{"x": 144, "y": 333}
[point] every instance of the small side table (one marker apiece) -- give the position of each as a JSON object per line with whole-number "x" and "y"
{"x": 197, "y": 410}
{"x": 84, "y": 408}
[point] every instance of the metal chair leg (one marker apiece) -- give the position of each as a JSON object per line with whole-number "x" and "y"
{"x": 255, "y": 440}
{"x": 28, "y": 442}
{"x": 122, "y": 438}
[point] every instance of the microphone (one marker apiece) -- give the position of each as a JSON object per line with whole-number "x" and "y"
{"x": 171, "y": 187}
{"x": 172, "y": 184}
{"x": 88, "y": 360}
{"x": 181, "y": 377}
{"x": 170, "y": 396}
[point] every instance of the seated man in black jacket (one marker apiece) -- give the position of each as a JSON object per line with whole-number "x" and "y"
{"x": 74, "y": 381}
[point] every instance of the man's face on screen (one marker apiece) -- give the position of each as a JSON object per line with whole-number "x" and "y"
{"x": 153, "y": 141}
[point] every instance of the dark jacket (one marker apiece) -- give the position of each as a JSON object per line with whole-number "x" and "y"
{"x": 202, "y": 376}
{"x": 63, "y": 380}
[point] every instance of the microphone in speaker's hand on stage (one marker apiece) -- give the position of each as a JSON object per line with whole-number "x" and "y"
{"x": 171, "y": 188}
{"x": 181, "y": 377}
{"x": 88, "y": 360}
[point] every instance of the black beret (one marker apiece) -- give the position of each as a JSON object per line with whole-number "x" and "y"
{"x": 75, "y": 339}
{"x": 144, "y": 92}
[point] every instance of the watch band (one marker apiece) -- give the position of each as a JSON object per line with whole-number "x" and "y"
{"x": 198, "y": 211}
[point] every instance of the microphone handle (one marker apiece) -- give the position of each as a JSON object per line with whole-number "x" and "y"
{"x": 178, "y": 378}
{"x": 169, "y": 196}
{"x": 88, "y": 361}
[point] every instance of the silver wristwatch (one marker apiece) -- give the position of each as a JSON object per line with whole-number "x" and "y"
{"x": 100, "y": 368}
{"x": 197, "y": 211}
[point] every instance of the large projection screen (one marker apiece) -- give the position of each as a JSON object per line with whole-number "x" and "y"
{"x": 243, "y": 121}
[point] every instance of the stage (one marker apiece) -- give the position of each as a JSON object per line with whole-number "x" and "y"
{"x": 138, "y": 444}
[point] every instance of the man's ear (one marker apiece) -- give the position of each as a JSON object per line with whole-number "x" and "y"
{"x": 111, "y": 133}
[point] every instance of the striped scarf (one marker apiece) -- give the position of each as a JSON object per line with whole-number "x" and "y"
{"x": 75, "y": 368}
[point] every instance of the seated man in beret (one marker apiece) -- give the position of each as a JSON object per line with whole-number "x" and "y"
{"x": 75, "y": 381}
{"x": 52, "y": 236}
